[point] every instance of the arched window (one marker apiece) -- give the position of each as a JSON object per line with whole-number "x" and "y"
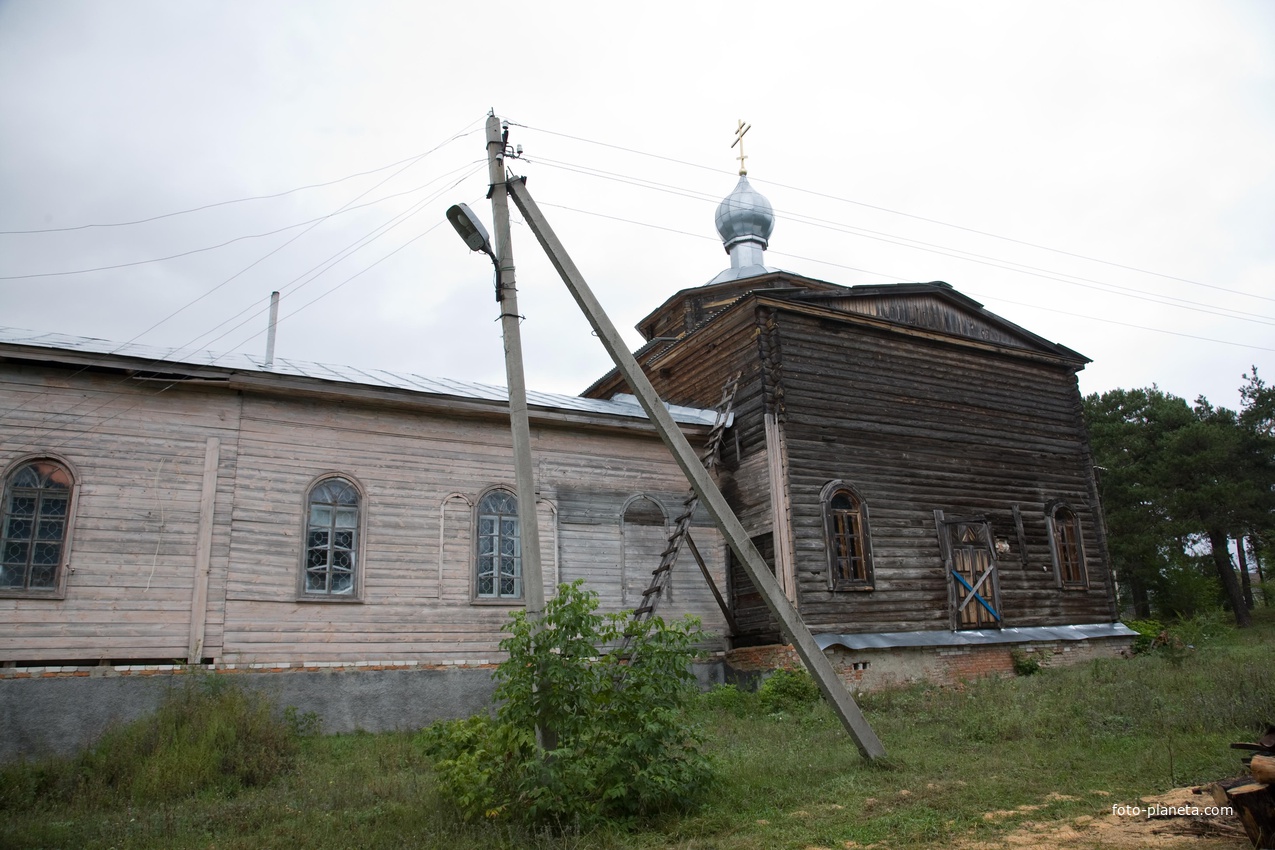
{"x": 846, "y": 533}
{"x": 332, "y": 537}
{"x": 34, "y": 527}
{"x": 499, "y": 560}
{"x": 1066, "y": 547}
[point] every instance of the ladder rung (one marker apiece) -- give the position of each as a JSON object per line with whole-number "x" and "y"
{"x": 645, "y": 609}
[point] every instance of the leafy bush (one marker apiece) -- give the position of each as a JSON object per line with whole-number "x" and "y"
{"x": 1202, "y": 627}
{"x": 728, "y": 698}
{"x": 618, "y": 742}
{"x": 207, "y": 735}
{"x": 788, "y": 690}
{"x": 1025, "y": 663}
{"x": 1148, "y": 631}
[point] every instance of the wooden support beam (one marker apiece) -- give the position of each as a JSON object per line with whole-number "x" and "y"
{"x": 712, "y": 585}
{"x": 203, "y": 552}
{"x": 710, "y": 496}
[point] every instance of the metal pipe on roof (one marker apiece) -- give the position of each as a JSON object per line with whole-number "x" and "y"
{"x": 274, "y": 323}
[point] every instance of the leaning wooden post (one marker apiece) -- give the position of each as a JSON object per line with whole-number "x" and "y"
{"x": 729, "y": 525}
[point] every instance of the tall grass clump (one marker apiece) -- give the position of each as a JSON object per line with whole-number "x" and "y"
{"x": 206, "y": 736}
{"x": 619, "y": 745}
{"x": 788, "y": 690}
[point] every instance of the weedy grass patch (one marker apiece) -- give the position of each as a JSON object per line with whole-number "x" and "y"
{"x": 964, "y": 763}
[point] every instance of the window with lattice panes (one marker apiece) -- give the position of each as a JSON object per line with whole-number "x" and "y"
{"x": 846, "y": 535}
{"x": 34, "y": 527}
{"x": 498, "y": 572}
{"x": 1068, "y": 551}
{"x": 332, "y": 536}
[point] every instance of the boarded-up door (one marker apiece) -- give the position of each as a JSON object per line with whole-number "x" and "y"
{"x": 970, "y": 560}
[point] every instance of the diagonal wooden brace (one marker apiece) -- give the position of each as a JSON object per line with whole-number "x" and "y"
{"x": 711, "y": 497}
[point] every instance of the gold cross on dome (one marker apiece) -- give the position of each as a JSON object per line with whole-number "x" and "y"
{"x": 739, "y": 140}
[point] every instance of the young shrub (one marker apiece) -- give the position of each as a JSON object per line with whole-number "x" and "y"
{"x": 618, "y": 742}
{"x": 1148, "y": 631}
{"x": 788, "y": 690}
{"x": 1025, "y": 663}
{"x": 728, "y": 698}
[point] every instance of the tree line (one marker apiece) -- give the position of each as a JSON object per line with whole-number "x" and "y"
{"x": 1179, "y": 482}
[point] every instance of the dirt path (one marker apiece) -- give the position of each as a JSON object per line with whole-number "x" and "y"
{"x": 1176, "y": 823}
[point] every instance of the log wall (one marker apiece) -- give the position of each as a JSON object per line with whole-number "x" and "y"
{"x": 917, "y": 425}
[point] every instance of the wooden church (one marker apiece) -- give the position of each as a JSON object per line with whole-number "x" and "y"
{"x": 913, "y": 468}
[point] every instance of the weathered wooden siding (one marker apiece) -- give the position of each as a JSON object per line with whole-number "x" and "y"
{"x": 414, "y": 470}
{"x": 918, "y": 425}
{"x": 928, "y": 312}
{"x": 138, "y": 451}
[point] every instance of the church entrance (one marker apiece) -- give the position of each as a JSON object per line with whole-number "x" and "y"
{"x": 973, "y": 585}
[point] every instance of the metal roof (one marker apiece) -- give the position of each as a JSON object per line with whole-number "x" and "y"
{"x": 620, "y": 405}
{"x": 975, "y": 637}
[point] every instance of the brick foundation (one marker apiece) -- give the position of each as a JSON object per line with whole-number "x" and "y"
{"x": 874, "y": 669}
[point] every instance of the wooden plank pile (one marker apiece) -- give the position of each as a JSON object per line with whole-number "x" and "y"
{"x": 1253, "y": 797}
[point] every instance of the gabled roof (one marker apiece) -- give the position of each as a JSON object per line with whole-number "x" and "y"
{"x": 934, "y": 310}
{"x": 935, "y": 306}
{"x": 18, "y": 344}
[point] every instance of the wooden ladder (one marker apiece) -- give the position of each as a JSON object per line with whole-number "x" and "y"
{"x": 681, "y": 526}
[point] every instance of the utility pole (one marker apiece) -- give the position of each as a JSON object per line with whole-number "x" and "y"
{"x": 533, "y": 588}
{"x": 736, "y": 537}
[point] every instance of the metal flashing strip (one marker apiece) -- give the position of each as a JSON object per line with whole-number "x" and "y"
{"x": 622, "y": 406}
{"x": 975, "y": 637}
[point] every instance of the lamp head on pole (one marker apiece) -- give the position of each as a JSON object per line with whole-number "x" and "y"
{"x": 470, "y": 229}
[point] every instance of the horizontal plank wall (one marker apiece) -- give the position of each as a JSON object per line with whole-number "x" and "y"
{"x": 919, "y": 425}
{"x": 138, "y": 449}
{"x": 422, "y": 476}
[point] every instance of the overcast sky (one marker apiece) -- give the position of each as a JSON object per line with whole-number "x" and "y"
{"x": 1101, "y": 173}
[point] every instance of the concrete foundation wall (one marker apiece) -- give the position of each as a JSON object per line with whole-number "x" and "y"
{"x": 62, "y": 711}
{"x": 61, "y": 714}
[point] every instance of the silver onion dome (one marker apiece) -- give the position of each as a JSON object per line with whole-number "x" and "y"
{"x": 745, "y": 220}
{"x": 745, "y": 214}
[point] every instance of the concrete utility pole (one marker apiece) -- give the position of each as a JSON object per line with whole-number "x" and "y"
{"x": 533, "y": 588}
{"x": 729, "y": 525}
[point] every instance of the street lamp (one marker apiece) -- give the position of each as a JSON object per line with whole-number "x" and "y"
{"x": 470, "y": 228}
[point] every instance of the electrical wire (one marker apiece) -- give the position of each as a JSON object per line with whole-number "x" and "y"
{"x": 879, "y": 274}
{"x": 943, "y": 250}
{"x": 173, "y": 355}
{"x": 412, "y": 159}
{"x": 311, "y": 221}
{"x": 1122, "y": 324}
{"x": 841, "y": 199}
{"x": 192, "y": 343}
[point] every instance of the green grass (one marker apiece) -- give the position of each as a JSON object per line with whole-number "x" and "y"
{"x": 1073, "y": 741}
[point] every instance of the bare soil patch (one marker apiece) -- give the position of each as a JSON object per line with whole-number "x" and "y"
{"x": 1174, "y": 830}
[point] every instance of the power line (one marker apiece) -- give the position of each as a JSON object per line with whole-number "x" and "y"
{"x": 368, "y": 237}
{"x": 900, "y": 213}
{"x": 1123, "y": 324}
{"x": 342, "y": 211}
{"x": 880, "y": 274}
{"x": 412, "y": 159}
{"x": 330, "y": 262}
{"x": 943, "y": 250}
{"x": 417, "y": 205}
